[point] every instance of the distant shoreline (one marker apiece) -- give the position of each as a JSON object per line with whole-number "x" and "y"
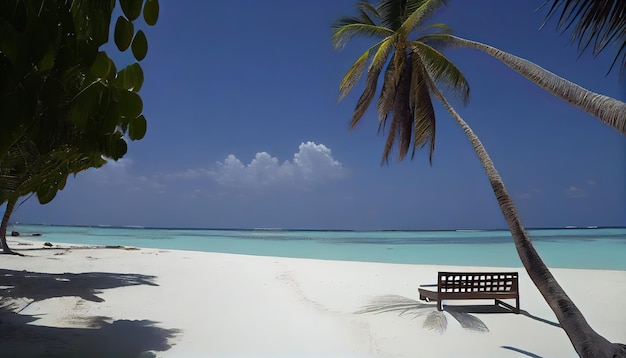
{"x": 569, "y": 227}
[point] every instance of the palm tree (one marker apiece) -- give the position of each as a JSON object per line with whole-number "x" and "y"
{"x": 608, "y": 110}
{"x": 413, "y": 72}
{"x": 602, "y": 23}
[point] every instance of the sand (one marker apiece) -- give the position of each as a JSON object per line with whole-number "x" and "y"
{"x": 124, "y": 302}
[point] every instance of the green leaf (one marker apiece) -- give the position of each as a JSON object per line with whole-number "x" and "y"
{"x": 137, "y": 128}
{"x": 131, "y": 8}
{"x": 116, "y": 147}
{"x": 86, "y": 103}
{"x": 101, "y": 66}
{"x": 47, "y": 61}
{"x": 124, "y": 31}
{"x": 140, "y": 46}
{"x": 46, "y": 193}
{"x": 130, "y": 104}
{"x": 130, "y": 78}
{"x": 151, "y": 12}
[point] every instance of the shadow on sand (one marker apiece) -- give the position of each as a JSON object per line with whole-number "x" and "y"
{"x": 97, "y": 337}
{"x": 437, "y": 321}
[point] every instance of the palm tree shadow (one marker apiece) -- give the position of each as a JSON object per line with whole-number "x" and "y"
{"x": 98, "y": 336}
{"x": 435, "y": 320}
{"x": 518, "y": 350}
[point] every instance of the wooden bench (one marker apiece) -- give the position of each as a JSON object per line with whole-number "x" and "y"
{"x": 474, "y": 286}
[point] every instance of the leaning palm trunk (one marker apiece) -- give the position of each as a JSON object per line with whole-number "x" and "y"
{"x": 5, "y": 223}
{"x": 586, "y": 341}
{"x": 609, "y": 110}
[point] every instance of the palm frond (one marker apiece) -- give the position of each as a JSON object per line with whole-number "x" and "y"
{"x": 354, "y": 74}
{"x": 418, "y": 15}
{"x": 351, "y": 20}
{"x": 402, "y": 114}
{"x": 423, "y": 111}
{"x": 368, "y": 9}
{"x": 438, "y": 28}
{"x": 394, "y": 81}
{"x": 608, "y": 110}
{"x": 382, "y": 54}
{"x": 344, "y": 33}
{"x": 393, "y": 13}
{"x": 366, "y": 96}
{"x": 442, "y": 70}
{"x": 365, "y": 18}
{"x": 598, "y": 22}
{"x": 391, "y": 139}
{"x": 387, "y": 94}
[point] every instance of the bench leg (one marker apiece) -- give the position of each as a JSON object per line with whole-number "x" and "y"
{"x": 514, "y": 309}
{"x": 439, "y": 305}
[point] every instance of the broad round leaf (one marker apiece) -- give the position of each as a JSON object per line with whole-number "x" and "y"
{"x": 137, "y": 128}
{"x": 86, "y": 104}
{"x": 101, "y": 66}
{"x": 116, "y": 147}
{"x": 130, "y": 104}
{"x": 130, "y": 78}
{"x": 131, "y": 8}
{"x": 140, "y": 46}
{"x": 151, "y": 12}
{"x": 124, "y": 31}
{"x": 46, "y": 193}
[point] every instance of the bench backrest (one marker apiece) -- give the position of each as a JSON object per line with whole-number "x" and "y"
{"x": 466, "y": 282}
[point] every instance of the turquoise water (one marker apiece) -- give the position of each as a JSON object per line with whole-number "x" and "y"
{"x": 601, "y": 248}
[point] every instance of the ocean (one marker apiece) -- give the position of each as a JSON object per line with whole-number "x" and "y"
{"x": 588, "y": 248}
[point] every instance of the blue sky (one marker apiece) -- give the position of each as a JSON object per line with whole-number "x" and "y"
{"x": 244, "y": 131}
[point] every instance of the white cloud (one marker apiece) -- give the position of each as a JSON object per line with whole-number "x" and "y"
{"x": 118, "y": 173}
{"x": 575, "y": 192}
{"x": 313, "y": 163}
{"x": 529, "y": 194}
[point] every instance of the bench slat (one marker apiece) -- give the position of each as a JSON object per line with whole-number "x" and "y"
{"x": 474, "y": 285}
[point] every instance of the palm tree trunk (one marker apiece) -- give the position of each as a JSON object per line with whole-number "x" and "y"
{"x": 5, "y": 223}
{"x": 585, "y": 340}
{"x": 609, "y": 110}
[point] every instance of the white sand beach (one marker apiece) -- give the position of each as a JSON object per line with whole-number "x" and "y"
{"x": 144, "y": 302}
